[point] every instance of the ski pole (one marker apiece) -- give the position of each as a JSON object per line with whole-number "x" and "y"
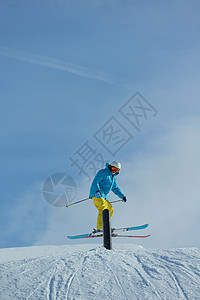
{"x": 88, "y": 199}
{"x": 78, "y": 202}
{"x": 116, "y": 201}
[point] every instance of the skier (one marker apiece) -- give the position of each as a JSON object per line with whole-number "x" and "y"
{"x": 103, "y": 183}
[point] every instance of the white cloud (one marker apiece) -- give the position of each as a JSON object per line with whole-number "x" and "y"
{"x": 25, "y": 218}
{"x": 62, "y": 66}
{"x": 163, "y": 188}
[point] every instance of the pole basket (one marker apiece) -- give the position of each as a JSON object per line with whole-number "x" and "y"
{"x": 107, "y": 239}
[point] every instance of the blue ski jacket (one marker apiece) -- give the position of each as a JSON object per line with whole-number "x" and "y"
{"x": 104, "y": 182}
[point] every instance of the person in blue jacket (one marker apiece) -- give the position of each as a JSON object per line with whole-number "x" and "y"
{"x": 103, "y": 183}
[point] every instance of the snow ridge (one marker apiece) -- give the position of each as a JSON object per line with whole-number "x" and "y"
{"x": 92, "y": 272}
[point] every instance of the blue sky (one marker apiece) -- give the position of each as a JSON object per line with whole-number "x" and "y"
{"x": 66, "y": 69}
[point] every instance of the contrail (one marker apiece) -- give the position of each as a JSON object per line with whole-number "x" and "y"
{"x": 57, "y": 64}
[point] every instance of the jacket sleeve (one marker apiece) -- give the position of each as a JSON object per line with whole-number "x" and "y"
{"x": 116, "y": 190}
{"x": 95, "y": 184}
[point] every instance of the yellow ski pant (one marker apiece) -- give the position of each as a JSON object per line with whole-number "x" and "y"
{"x": 102, "y": 204}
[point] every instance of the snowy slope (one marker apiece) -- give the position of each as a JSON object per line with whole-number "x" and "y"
{"x": 92, "y": 272}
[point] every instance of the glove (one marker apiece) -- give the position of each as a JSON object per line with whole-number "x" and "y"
{"x": 124, "y": 199}
{"x": 98, "y": 194}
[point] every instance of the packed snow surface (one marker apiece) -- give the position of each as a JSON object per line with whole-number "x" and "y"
{"x": 92, "y": 272}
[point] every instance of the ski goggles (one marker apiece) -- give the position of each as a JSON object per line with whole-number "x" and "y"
{"x": 115, "y": 169}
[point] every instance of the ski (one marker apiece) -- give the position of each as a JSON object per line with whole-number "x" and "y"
{"x": 133, "y": 236}
{"x": 114, "y": 230}
{"x": 84, "y": 236}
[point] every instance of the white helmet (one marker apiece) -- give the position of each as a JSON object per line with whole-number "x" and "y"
{"x": 116, "y": 164}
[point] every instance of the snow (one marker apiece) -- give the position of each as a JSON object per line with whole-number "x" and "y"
{"x": 92, "y": 272}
